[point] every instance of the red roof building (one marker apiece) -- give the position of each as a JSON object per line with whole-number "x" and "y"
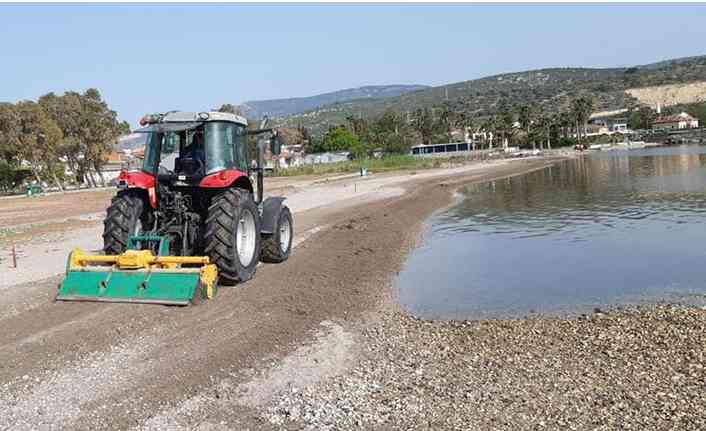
{"x": 677, "y": 121}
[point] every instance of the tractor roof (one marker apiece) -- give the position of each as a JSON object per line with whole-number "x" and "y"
{"x": 179, "y": 117}
{"x": 176, "y": 121}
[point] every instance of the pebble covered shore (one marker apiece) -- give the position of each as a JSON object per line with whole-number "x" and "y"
{"x": 637, "y": 368}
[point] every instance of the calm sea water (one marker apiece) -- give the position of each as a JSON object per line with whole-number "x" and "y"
{"x": 617, "y": 227}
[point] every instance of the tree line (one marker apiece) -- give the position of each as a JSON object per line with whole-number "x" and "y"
{"x": 392, "y": 132}
{"x": 40, "y": 139}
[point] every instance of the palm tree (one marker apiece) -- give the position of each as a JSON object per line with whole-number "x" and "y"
{"x": 506, "y": 126}
{"x": 471, "y": 126}
{"x": 581, "y": 111}
{"x": 526, "y": 117}
{"x": 423, "y": 121}
{"x": 565, "y": 122}
{"x": 490, "y": 127}
{"x": 448, "y": 121}
{"x": 553, "y": 128}
{"x": 544, "y": 126}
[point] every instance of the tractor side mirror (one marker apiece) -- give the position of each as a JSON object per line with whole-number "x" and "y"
{"x": 275, "y": 145}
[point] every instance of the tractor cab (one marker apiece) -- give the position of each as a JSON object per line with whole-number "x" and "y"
{"x": 179, "y": 148}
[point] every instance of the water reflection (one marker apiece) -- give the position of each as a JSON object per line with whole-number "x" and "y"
{"x": 613, "y": 227}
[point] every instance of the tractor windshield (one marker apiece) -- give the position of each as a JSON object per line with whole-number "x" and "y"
{"x": 161, "y": 152}
{"x": 222, "y": 144}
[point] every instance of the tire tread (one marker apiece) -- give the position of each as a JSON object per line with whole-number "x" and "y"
{"x": 122, "y": 213}
{"x": 219, "y": 238}
{"x": 271, "y": 251}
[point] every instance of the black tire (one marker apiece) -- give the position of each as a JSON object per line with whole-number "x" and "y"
{"x": 272, "y": 250}
{"x": 222, "y": 228}
{"x": 125, "y": 217}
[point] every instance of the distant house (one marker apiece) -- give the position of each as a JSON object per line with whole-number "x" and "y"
{"x": 451, "y": 147}
{"x": 322, "y": 158}
{"x": 290, "y": 156}
{"x": 138, "y": 153}
{"x": 607, "y": 122}
{"x": 677, "y": 121}
{"x": 114, "y": 162}
{"x": 619, "y": 124}
{"x": 597, "y": 128}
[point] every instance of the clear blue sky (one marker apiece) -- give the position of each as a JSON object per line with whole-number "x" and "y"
{"x": 149, "y": 58}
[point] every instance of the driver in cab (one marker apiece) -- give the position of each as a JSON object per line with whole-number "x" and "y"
{"x": 195, "y": 150}
{"x": 193, "y": 156}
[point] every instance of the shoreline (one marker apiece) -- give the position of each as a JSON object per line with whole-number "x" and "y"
{"x": 641, "y": 367}
{"x": 289, "y": 406}
{"x": 359, "y": 233}
{"x": 319, "y": 342}
{"x": 390, "y": 385}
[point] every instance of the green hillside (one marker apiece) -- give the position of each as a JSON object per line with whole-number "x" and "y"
{"x": 550, "y": 90}
{"x": 281, "y": 107}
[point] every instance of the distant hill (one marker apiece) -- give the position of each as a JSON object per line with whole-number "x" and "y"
{"x": 132, "y": 141}
{"x": 281, "y": 107}
{"x": 665, "y": 63}
{"x": 550, "y": 90}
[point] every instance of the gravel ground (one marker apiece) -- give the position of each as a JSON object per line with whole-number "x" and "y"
{"x": 260, "y": 357}
{"x": 54, "y": 399}
{"x": 639, "y": 368}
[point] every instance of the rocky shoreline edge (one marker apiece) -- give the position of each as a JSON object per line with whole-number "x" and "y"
{"x": 635, "y": 367}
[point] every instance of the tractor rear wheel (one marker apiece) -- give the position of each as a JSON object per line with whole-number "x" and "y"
{"x": 125, "y": 217}
{"x": 232, "y": 238}
{"x": 277, "y": 245}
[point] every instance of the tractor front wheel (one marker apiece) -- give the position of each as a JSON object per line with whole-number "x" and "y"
{"x": 125, "y": 217}
{"x": 232, "y": 238}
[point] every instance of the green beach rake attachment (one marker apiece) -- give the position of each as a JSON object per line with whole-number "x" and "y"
{"x": 138, "y": 276}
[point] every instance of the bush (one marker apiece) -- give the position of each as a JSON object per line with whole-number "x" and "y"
{"x": 11, "y": 177}
{"x": 566, "y": 142}
{"x": 340, "y": 139}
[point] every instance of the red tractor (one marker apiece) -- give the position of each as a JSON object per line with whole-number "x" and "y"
{"x": 194, "y": 189}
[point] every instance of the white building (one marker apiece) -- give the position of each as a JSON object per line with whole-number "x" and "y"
{"x": 678, "y": 121}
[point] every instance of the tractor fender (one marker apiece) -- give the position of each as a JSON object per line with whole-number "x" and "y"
{"x": 270, "y": 211}
{"x": 225, "y": 178}
{"x": 138, "y": 180}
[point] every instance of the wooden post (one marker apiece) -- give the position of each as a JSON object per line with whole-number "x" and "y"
{"x": 14, "y": 257}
